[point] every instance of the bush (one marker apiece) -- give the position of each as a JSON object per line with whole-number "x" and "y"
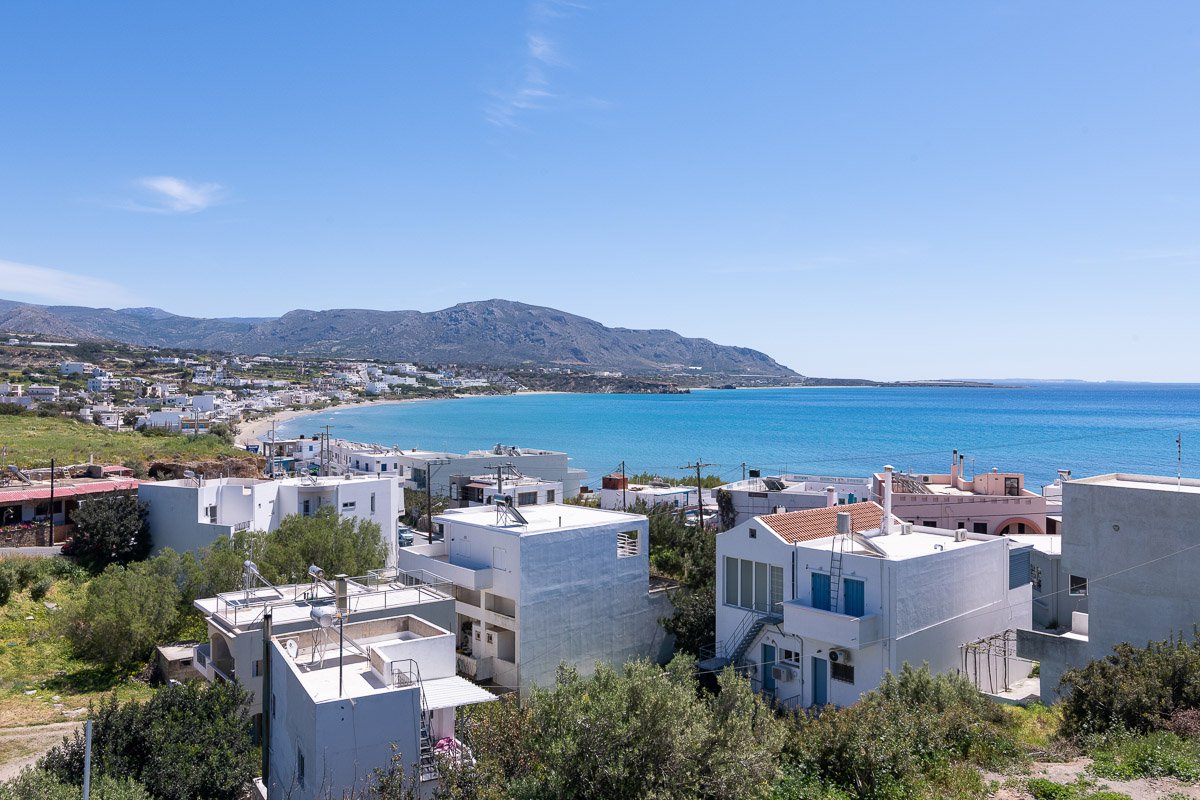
{"x": 6, "y": 585}
{"x": 915, "y": 730}
{"x": 1137, "y": 689}
{"x": 122, "y": 615}
{"x": 110, "y": 530}
{"x": 36, "y": 783}
{"x": 1125, "y": 756}
{"x": 40, "y": 589}
{"x": 188, "y": 742}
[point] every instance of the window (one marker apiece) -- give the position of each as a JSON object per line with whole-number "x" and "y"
{"x": 1078, "y": 586}
{"x": 549, "y": 495}
{"x": 1035, "y": 577}
{"x": 841, "y": 672}
{"x": 258, "y": 667}
{"x": 372, "y": 502}
{"x": 731, "y": 581}
{"x": 776, "y": 589}
{"x": 1020, "y": 572}
{"x": 930, "y": 523}
{"x": 980, "y": 527}
{"x": 383, "y": 467}
{"x": 299, "y": 764}
{"x": 1020, "y": 527}
{"x": 628, "y": 544}
{"x": 753, "y": 533}
{"x": 855, "y": 597}
{"x": 306, "y": 508}
{"x": 527, "y": 499}
{"x": 760, "y": 586}
{"x": 348, "y": 506}
{"x": 789, "y": 655}
{"x": 500, "y": 559}
{"x": 211, "y": 513}
{"x": 960, "y": 526}
{"x": 762, "y": 495}
{"x": 747, "y": 593}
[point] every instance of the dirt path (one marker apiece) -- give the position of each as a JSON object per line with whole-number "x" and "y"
{"x": 21, "y": 747}
{"x": 1068, "y": 771}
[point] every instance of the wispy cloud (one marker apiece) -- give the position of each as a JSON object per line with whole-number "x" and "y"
{"x": 32, "y": 284}
{"x": 165, "y": 194}
{"x": 532, "y": 90}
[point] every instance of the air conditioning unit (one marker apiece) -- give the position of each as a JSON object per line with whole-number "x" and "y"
{"x": 839, "y": 656}
{"x": 782, "y": 673}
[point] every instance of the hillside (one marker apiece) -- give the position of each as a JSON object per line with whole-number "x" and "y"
{"x": 498, "y": 333}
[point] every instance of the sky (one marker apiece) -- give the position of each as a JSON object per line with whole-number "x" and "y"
{"x": 884, "y": 190}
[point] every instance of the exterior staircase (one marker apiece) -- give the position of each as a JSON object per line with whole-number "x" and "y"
{"x": 756, "y": 624}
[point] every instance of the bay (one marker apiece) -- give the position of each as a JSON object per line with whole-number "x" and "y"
{"x": 1088, "y": 428}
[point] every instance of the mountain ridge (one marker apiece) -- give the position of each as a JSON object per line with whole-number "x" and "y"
{"x": 496, "y": 332}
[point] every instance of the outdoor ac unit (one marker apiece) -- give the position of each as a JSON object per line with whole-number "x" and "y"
{"x": 781, "y": 673}
{"x": 839, "y": 656}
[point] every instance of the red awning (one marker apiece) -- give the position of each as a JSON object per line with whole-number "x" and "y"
{"x": 43, "y": 492}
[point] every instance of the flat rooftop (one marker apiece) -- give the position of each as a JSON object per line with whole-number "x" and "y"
{"x": 293, "y": 603}
{"x": 19, "y": 491}
{"x": 1156, "y": 483}
{"x": 541, "y": 518}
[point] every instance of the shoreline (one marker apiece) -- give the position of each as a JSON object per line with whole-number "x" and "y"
{"x": 250, "y": 431}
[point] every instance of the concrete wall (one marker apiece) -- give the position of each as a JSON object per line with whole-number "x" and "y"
{"x": 342, "y": 741}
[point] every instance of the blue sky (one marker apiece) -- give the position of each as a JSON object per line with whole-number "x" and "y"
{"x": 912, "y": 190}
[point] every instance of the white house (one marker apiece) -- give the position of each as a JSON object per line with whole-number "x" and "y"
{"x": 757, "y": 495}
{"x": 1130, "y": 557}
{"x": 41, "y": 393}
{"x": 817, "y": 605}
{"x": 75, "y": 368}
{"x": 417, "y": 465}
{"x": 191, "y": 513}
{"x": 546, "y": 584}
{"x": 237, "y": 621}
{"x": 467, "y": 491}
{"x": 346, "y": 700}
{"x": 617, "y": 493}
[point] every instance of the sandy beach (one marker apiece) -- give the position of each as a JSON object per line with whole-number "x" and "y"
{"x": 250, "y": 431}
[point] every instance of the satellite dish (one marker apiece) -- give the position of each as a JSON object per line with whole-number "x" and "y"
{"x": 292, "y": 648}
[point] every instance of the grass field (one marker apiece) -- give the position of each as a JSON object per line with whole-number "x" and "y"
{"x": 29, "y": 441}
{"x": 40, "y": 680}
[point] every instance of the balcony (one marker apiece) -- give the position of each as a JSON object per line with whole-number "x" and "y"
{"x": 840, "y": 630}
{"x": 203, "y": 663}
{"x": 434, "y": 558}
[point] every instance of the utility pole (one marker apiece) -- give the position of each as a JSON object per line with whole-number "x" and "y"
{"x": 699, "y": 501}
{"x": 624, "y": 487}
{"x": 50, "y": 541}
{"x": 429, "y": 465}
{"x": 743, "y": 470}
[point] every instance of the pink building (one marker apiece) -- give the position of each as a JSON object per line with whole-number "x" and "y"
{"x": 992, "y": 502}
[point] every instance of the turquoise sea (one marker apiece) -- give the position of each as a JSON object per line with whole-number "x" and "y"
{"x": 1085, "y": 427}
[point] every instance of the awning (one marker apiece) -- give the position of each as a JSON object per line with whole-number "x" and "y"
{"x": 60, "y": 492}
{"x": 454, "y": 692}
{"x": 479, "y": 486}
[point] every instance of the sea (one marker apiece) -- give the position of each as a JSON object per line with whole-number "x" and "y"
{"x": 1088, "y": 428}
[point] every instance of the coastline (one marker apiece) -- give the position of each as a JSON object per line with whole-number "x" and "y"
{"x": 250, "y": 431}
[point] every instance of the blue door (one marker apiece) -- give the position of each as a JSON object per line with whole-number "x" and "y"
{"x": 820, "y": 681}
{"x": 820, "y": 591}
{"x": 855, "y": 597}
{"x": 768, "y": 661}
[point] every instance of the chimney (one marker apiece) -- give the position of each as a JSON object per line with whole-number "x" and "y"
{"x": 955, "y": 469}
{"x": 830, "y": 497}
{"x": 885, "y": 525}
{"x": 843, "y": 522}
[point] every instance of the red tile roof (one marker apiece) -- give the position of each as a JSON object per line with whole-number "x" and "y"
{"x": 817, "y": 523}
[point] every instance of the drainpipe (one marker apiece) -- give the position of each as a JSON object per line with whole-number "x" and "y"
{"x": 885, "y": 526}
{"x": 266, "y": 702}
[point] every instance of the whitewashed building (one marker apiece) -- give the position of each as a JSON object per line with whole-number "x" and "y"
{"x": 817, "y": 614}
{"x": 618, "y": 494}
{"x": 546, "y": 584}
{"x": 756, "y": 495}
{"x": 191, "y": 513}
{"x": 419, "y": 466}
{"x": 468, "y": 491}
{"x": 1130, "y": 557}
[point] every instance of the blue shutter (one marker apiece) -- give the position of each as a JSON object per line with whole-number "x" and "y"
{"x": 1018, "y": 567}
{"x": 820, "y": 591}
{"x": 855, "y": 597}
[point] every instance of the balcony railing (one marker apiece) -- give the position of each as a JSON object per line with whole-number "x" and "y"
{"x": 838, "y": 629}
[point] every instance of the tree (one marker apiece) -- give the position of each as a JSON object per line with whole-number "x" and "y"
{"x": 188, "y": 742}
{"x": 347, "y": 545}
{"x": 123, "y": 614}
{"x": 640, "y": 731}
{"x": 110, "y": 530}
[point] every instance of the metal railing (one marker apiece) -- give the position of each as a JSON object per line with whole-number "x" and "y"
{"x": 379, "y": 589}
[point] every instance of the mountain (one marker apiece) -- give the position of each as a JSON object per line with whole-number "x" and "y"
{"x": 498, "y": 333}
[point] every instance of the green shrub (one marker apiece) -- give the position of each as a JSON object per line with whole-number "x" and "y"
{"x": 1043, "y": 789}
{"x": 6, "y": 585}
{"x": 1123, "y": 756}
{"x": 36, "y": 783}
{"x": 1138, "y": 689}
{"x": 40, "y": 589}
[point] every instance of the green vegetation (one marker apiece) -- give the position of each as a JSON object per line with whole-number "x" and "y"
{"x": 689, "y": 556}
{"x": 32, "y": 441}
{"x": 188, "y": 742}
{"x": 1135, "y": 689}
{"x": 637, "y": 731}
{"x": 917, "y": 735}
{"x": 1081, "y": 789}
{"x": 709, "y": 482}
{"x": 1125, "y": 756}
{"x": 110, "y": 530}
{"x": 40, "y": 784}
